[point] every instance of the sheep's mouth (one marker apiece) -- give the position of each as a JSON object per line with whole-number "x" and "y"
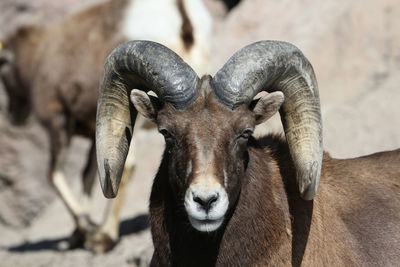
{"x": 206, "y": 225}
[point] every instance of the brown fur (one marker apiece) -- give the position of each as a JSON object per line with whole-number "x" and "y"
{"x": 61, "y": 65}
{"x": 353, "y": 221}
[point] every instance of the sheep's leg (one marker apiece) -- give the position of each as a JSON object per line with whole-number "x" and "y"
{"x": 58, "y": 157}
{"x": 59, "y": 149}
{"x": 78, "y": 212}
{"x": 19, "y": 105}
{"x": 89, "y": 175}
{"x": 58, "y": 181}
{"x": 107, "y": 233}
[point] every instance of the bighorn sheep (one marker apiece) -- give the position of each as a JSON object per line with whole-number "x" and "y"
{"x": 222, "y": 197}
{"x": 55, "y": 72}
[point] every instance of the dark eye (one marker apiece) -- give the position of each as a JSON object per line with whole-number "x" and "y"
{"x": 247, "y": 133}
{"x": 165, "y": 133}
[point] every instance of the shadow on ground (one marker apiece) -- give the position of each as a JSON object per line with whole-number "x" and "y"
{"x": 127, "y": 227}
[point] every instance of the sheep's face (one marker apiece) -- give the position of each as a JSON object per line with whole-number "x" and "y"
{"x": 208, "y": 156}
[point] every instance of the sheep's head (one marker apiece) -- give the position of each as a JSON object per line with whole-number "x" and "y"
{"x": 207, "y": 122}
{"x": 207, "y": 149}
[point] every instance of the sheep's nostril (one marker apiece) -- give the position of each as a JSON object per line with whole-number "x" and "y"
{"x": 206, "y": 202}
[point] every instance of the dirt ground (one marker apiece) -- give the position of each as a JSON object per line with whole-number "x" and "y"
{"x": 354, "y": 47}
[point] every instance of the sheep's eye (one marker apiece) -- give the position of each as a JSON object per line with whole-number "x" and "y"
{"x": 247, "y": 133}
{"x": 165, "y": 133}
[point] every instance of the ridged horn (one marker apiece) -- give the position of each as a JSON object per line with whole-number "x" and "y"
{"x": 140, "y": 65}
{"x": 280, "y": 66}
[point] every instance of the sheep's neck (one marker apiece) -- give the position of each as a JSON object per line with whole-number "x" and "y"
{"x": 260, "y": 224}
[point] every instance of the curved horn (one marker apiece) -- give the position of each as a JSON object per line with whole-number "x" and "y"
{"x": 141, "y": 65}
{"x": 271, "y": 66}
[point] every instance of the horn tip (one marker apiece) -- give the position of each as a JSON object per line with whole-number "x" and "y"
{"x": 308, "y": 193}
{"x": 308, "y": 184}
{"x": 109, "y": 190}
{"x": 109, "y": 193}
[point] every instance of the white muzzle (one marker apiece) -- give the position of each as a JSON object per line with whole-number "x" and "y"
{"x": 206, "y": 205}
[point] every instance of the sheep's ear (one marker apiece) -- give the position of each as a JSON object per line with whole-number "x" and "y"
{"x": 266, "y": 106}
{"x": 145, "y": 104}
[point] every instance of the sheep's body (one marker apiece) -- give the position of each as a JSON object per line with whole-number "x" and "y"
{"x": 353, "y": 221}
{"x": 222, "y": 197}
{"x": 62, "y": 64}
{"x": 54, "y": 73}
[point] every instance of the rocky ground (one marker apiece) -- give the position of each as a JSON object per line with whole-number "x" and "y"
{"x": 354, "y": 47}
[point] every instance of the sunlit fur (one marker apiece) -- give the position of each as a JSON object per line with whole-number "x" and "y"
{"x": 353, "y": 221}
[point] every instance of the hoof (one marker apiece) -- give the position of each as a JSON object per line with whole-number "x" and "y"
{"x": 99, "y": 242}
{"x": 81, "y": 234}
{"x": 77, "y": 239}
{"x": 91, "y": 237}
